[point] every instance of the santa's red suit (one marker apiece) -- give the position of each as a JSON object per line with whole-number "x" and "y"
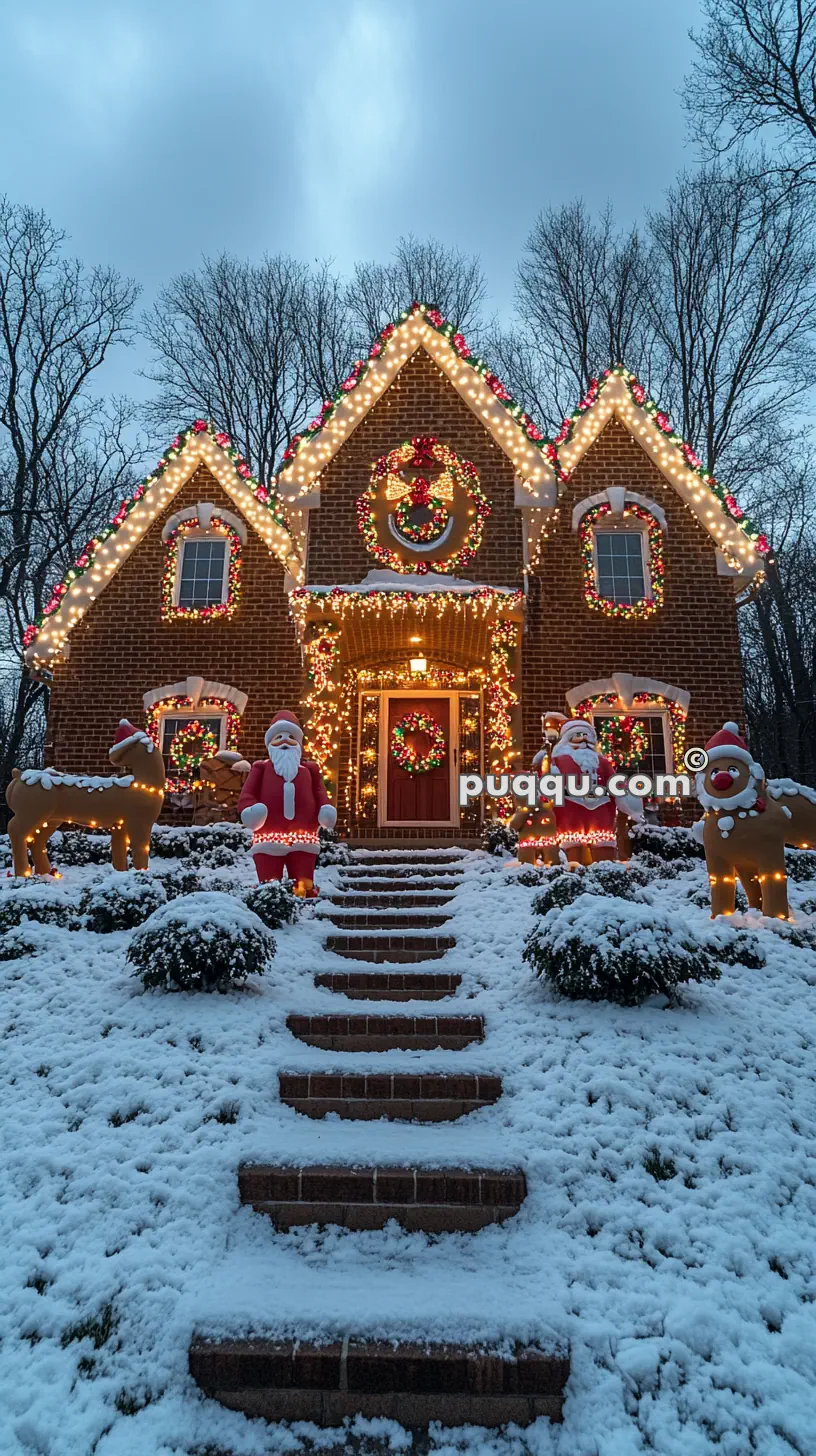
{"x": 284, "y": 802}
{"x": 587, "y": 819}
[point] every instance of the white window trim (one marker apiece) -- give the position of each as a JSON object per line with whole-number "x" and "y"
{"x": 197, "y": 689}
{"x": 203, "y": 512}
{"x": 630, "y": 525}
{"x": 202, "y": 535}
{"x": 616, "y": 498}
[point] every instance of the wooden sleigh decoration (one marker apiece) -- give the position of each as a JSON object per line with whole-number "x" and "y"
{"x": 127, "y": 803}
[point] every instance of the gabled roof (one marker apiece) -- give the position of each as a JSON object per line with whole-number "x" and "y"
{"x": 200, "y": 444}
{"x": 420, "y": 327}
{"x": 619, "y": 393}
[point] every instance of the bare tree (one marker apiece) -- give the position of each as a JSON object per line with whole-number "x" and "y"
{"x": 250, "y": 346}
{"x": 58, "y": 321}
{"x": 732, "y": 306}
{"x": 426, "y": 272}
{"x": 757, "y": 77}
{"x": 582, "y": 301}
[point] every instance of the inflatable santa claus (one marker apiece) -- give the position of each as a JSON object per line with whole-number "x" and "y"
{"x": 585, "y": 822}
{"x": 284, "y": 802}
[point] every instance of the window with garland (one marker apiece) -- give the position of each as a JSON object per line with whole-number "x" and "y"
{"x": 620, "y": 565}
{"x": 202, "y": 571}
{"x": 636, "y": 742}
{"x": 172, "y": 722}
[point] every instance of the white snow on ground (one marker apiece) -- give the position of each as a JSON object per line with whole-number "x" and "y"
{"x": 687, "y": 1303}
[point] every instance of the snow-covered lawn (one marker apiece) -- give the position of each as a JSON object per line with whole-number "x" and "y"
{"x": 669, "y": 1234}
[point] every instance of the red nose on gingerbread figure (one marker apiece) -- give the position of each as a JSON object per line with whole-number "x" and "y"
{"x": 284, "y": 802}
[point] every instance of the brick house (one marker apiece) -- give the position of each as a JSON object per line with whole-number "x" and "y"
{"x": 423, "y": 550}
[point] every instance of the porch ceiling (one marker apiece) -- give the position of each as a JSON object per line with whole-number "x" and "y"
{"x": 452, "y": 631}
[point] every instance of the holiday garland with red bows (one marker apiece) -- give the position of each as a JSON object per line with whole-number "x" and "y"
{"x": 405, "y": 753}
{"x": 265, "y": 495}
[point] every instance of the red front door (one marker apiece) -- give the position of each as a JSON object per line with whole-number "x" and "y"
{"x": 419, "y": 798}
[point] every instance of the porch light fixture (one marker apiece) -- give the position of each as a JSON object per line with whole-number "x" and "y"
{"x": 419, "y": 665}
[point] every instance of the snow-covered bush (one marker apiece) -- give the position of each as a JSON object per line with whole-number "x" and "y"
{"x": 273, "y": 903}
{"x": 700, "y": 895}
{"x": 606, "y": 877}
{"x": 169, "y": 843}
{"x": 78, "y": 847}
{"x": 668, "y": 841}
{"x": 601, "y": 948}
{"x": 204, "y": 942}
{"x": 800, "y": 865}
{"x": 181, "y": 881}
{"x": 333, "y": 850}
{"x": 30, "y": 901}
{"x": 648, "y": 866}
{"x": 560, "y": 890}
{"x": 530, "y": 876}
{"x": 496, "y": 838}
{"x": 122, "y": 901}
{"x": 217, "y": 857}
{"x": 15, "y": 943}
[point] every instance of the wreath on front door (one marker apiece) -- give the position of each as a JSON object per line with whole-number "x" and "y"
{"x": 405, "y": 754}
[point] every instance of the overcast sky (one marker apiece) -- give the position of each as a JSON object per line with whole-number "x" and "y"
{"x": 154, "y": 132}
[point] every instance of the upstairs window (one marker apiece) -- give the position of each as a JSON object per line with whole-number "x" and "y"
{"x": 202, "y": 578}
{"x": 620, "y": 567}
{"x": 202, "y": 573}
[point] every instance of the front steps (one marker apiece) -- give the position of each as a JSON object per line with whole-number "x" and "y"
{"x": 398, "y": 1096}
{"x": 401, "y": 900}
{"x": 440, "y": 1200}
{"x": 387, "y": 1033}
{"x": 294, "y": 1380}
{"x": 391, "y": 985}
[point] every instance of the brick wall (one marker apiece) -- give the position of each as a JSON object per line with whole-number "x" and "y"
{"x": 122, "y": 647}
{"x": 421, "y": 401}
{"x": 691, "y": 642}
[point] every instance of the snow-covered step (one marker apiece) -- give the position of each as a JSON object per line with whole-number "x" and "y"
{"x": 395, "y": 857}
{"x": 295, "y": 1380}
{"x": 352, "y": 919}
{"x": 391, "y": 985}
{"x": 432, "y": 1200}
{"x": 399, "y": 1096}
{"x": 391, "y": 946}
{"x": 338, "y": 1033}
{"x": 447, "y": 872}
{"x": 398, "y": 898}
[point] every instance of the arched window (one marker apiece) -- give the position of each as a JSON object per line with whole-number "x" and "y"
{"x": 217, "y": 707}
{"x": 621, "y": 542}
{"x": 203, "y": 562}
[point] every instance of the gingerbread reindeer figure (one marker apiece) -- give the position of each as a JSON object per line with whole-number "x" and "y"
{"x": 747, "y": 824}
{"x": 128, "y": 803}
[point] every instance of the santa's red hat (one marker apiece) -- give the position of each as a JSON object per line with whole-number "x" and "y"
{"x": 283, "y": 719}
{"x": 577, "y": 725}
{"x": 125, "y": 730}
{"x": 728, "y": 742}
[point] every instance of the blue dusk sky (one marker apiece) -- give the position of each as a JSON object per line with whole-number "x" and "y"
{"x": 155, "y": 132}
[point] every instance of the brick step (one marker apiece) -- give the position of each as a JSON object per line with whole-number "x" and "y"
{"x": 391, "y": 985}
{"x": 432, "y": 1200}
{"x": 373, "y": 920}
{"x": 397, "y": 898}
{"x": 401, "y": 872}
{"x": 387, "y": 1033}
{"x": 404, "y": 856}
{"x": 293, "y": 1380}
{"x": 399, "y": 1096}
{"x": 396, "y": 947}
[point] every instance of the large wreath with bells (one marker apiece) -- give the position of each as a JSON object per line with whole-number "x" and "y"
{"x": 404, "y": 752}
{"x": 424, "y": 508}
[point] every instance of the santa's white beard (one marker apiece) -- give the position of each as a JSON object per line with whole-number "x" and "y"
{"x": 286, "y": 762}
{"x": 586, "y": 758}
